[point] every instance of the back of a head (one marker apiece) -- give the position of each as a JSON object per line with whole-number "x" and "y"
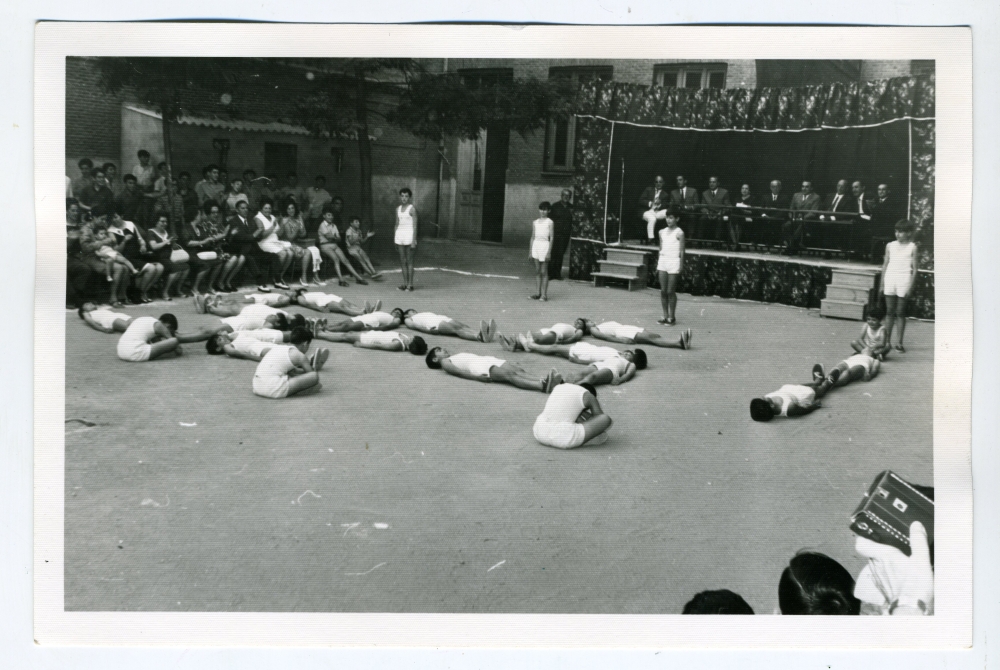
{"x": 432, "y": 363}
{"x": 297, "y": 321}
{"x": 300, "y": 336}
{"x": 168, "y": 320}
{"x": 640, "y": 359}
{"x": 212, "y": 347}
{"x": 722, "y": 601}
{"x": 280, "y": 322}
{"x": 814, "y": 583}
{"x": 905, "y": 226}
{"x": 761, "y": 410}
{"x": 591, "y": 389}
{"x": 418, "y": 346}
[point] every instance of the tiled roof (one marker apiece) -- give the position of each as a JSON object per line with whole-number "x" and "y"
{"x": 228, "y": 124}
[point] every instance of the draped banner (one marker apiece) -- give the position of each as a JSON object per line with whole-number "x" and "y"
{"x": 884, "y": 122}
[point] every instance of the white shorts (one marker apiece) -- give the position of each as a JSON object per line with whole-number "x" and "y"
{"x": 136, "y": 353}
{"x": 540, "y": 250}
{"x": 404, "y": 236}
{"x": 271, "y": 386}
{"x": 561, "y": 435}
{"x": 898, "y": 285}
{"x": 669, "y": 265}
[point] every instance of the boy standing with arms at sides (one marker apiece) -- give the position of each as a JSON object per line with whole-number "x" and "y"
{"x": 899, "y": 272}
{"x": 669, "y": 267}
{"x": 540, "y": 249}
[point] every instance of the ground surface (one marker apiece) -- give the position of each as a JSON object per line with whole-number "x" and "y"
{"x": 402, "y": 489}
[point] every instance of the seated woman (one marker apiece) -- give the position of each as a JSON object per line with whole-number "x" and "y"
{"x": 93, "y": 237}
{"x": 277, "y": 256}
{"x": 293, "y": 231}
{"x": 162, "y": 244}
{"x": 201, "y": 242}
{"x": 133, "y": 246}
{"x": 285, "y": 371}
{"x": 437, "y": 324}
{"x": 147, "y": 338}
{"x": 102, "y": 319}
{"x": 328, "y": 238}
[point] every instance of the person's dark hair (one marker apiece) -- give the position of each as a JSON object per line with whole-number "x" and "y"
{"x": 290, "y": 201}
{"x": 398, "y": 311}
{"x": 406, "y": 190}
{"x": 673, "y": 211}
{"x": 320, "y": 177}
{"x": 905, "y": 226}
{"x": 168, "y": 320}
{"x": 85, "y": 162}
{"x": 183, "y": 174}
{"x": 640, "y": 359}
{"x": 722, "y": 601}
{"x": 328, "y": 209}
{"x": 266, "y": 201}
{"x": 208, "y": 168}
{"x": 249, "y": 171}
{"x": 129, "y": 177}
{"x": 353, "y": 217}
{"x": 298, "y": 293}
{"x": 337, "y": 199}
{"x": 212, "y": 347}
{"x": 161, "y": 164}
{"x": 280, "y": 322}
{"x": 209, "y": 204}
{"x": 544, "y": 204}
{"x": 418, "y": 346}
{"x": 814, "y": 583}
{"x": 431, "y": 363}
{"x": 142, "y": 152}
{"x": 297, "y": 321}
{"x": 586, "y": 326}
{"x": 590, "y": 389}
{"x": 160, "y": 214}
{"x": 761, "y": 410}
{"x": 300, "y": 335}
{"x": 877, "y": 312}
{"x": 108, "y": 165}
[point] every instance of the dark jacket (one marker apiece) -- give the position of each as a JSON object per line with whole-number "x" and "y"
{"x": 562, "y": 216}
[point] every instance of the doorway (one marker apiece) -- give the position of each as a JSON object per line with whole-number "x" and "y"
{"x": 495, "y": 181}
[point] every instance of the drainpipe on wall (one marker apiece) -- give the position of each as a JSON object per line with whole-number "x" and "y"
{"x": 437, "y": 213}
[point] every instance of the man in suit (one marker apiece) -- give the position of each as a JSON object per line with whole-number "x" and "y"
{"x": 711, "y": 217}
{"x": 833, "y": 236}
{"x": 861, "y": 231}
{"x": 803, "y": 204}
{"x": 886, "y": 211}
{"x": 684, "y": 199}
{"x": 777, "y": 200}
{"x": 653, "y": 199}
{"x": 243, "y": 238}
{"x": 561, "y": 214}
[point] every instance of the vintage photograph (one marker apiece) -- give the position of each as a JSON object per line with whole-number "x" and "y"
{"x": 484, "y": 337}
{"x": 663, "y": 335}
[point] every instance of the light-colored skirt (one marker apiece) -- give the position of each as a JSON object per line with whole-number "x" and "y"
{"x": 541, "y": 250}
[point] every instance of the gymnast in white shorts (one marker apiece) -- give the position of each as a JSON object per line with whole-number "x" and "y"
{"x": 285, "y": 370}
{"x": 612, "y": 331}
{"x": 583, "y": 353}
{"x": 240, "y": 344}
{"x": 147, "y": 338}
{"x": 254, "y": 317}
{"x": 557, "y": 333}
{"x": 615, "y": 370}
{"x": 791, "y": 399}
{"x": 438, "y": 324}
{"x": 859, "y": 366}
{"x": 328, "y": 302}
{"x": 490, "y": 369}
{"x": 572, "y": 417}
{"x": 232, "y": 305}
{"x": 383, "y": 340}
{"x": 103, "y": 319}
{"x": 371, "y": 321}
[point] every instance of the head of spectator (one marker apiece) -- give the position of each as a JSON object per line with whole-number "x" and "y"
{"x": 807, "y": 187}
{"x": 211, "y": 173}
{"x": 745, "y": 191}
{"x": 272, "y": 180}
{"x": 722, "y": 601}
{"x": 713, "y": 184}
{"x": 86, "y": 166}
{"x": 236, "y": 185}
{"x": 72, "y": 212}
{"x": 814, "y": 583}
{"x": 291, "y": 209}
{"x": 319, "y": 182}
{"x": 858, "y": 189}
{"x": 110, "y": 172}
{"x": 248, "y": 176}
{"x": 143, "y": 157}
{"x": 130, "y": 182}
{"x": 99, "y": 181}
{"x": 776, "y": 187}
{"x": 184, "y": 181}
{"x": 160, "y": 221}
{"x": 883, "y": 192}
{"x": 842, "y": 187}
{"x": 266, "y": 205}
{"x": 681, "y": 181}
{"x": 292, "y": 180}
{"x": 566, "y": 196}
{"x": 242, "y": 208}
{"x": 659, "y": 183}
{"x": 338, "y": 204}
{"x": 162, "y": 169}
{"x": 212, "y": 211}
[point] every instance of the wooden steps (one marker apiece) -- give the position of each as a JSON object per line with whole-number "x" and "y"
{"x": 622, "y": 265}
{"x": 849, "y": 294}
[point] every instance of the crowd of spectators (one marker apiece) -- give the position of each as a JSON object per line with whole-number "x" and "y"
{"x": 177, "y": 237}
{"x": 848, "y": 220}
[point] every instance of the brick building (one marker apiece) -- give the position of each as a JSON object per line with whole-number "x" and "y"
{"x": 486, "y": 189}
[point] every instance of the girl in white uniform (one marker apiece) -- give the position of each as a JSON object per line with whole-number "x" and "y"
{"x": 669, "y": 267}
{"x": 103, "y": 319}
{"x": 540, "y": 249}
{"x": 572, "y": 417}
{"x": 405, "y": 237}
{"x": 899, "y": 271}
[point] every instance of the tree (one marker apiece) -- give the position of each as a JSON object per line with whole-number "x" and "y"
{"x": 159, "y": 83}
{"x": 350, "y": 91}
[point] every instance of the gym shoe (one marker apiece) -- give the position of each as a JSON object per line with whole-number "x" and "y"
{"x": 818, "y": 372}
{"x": 281, "y": 285}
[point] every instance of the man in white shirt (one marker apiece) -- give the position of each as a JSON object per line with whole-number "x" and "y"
{"x": 572, "y": 417}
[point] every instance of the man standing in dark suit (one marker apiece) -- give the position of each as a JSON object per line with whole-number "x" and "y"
{"x": 713, "y": 217}
{"x": 653, "y": 199}
{"x": 803, "y": 204}
{"x": 684, "y": 199}
{"x": 777, "y": 200}
{"x": 561, "y": 214}
{"x": 886, "y": 211}
{"x": 833, "y": 236}
{"x": 862, "y": 229}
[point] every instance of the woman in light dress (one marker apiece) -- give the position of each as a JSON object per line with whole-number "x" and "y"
{"x": 278, "y": 253}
